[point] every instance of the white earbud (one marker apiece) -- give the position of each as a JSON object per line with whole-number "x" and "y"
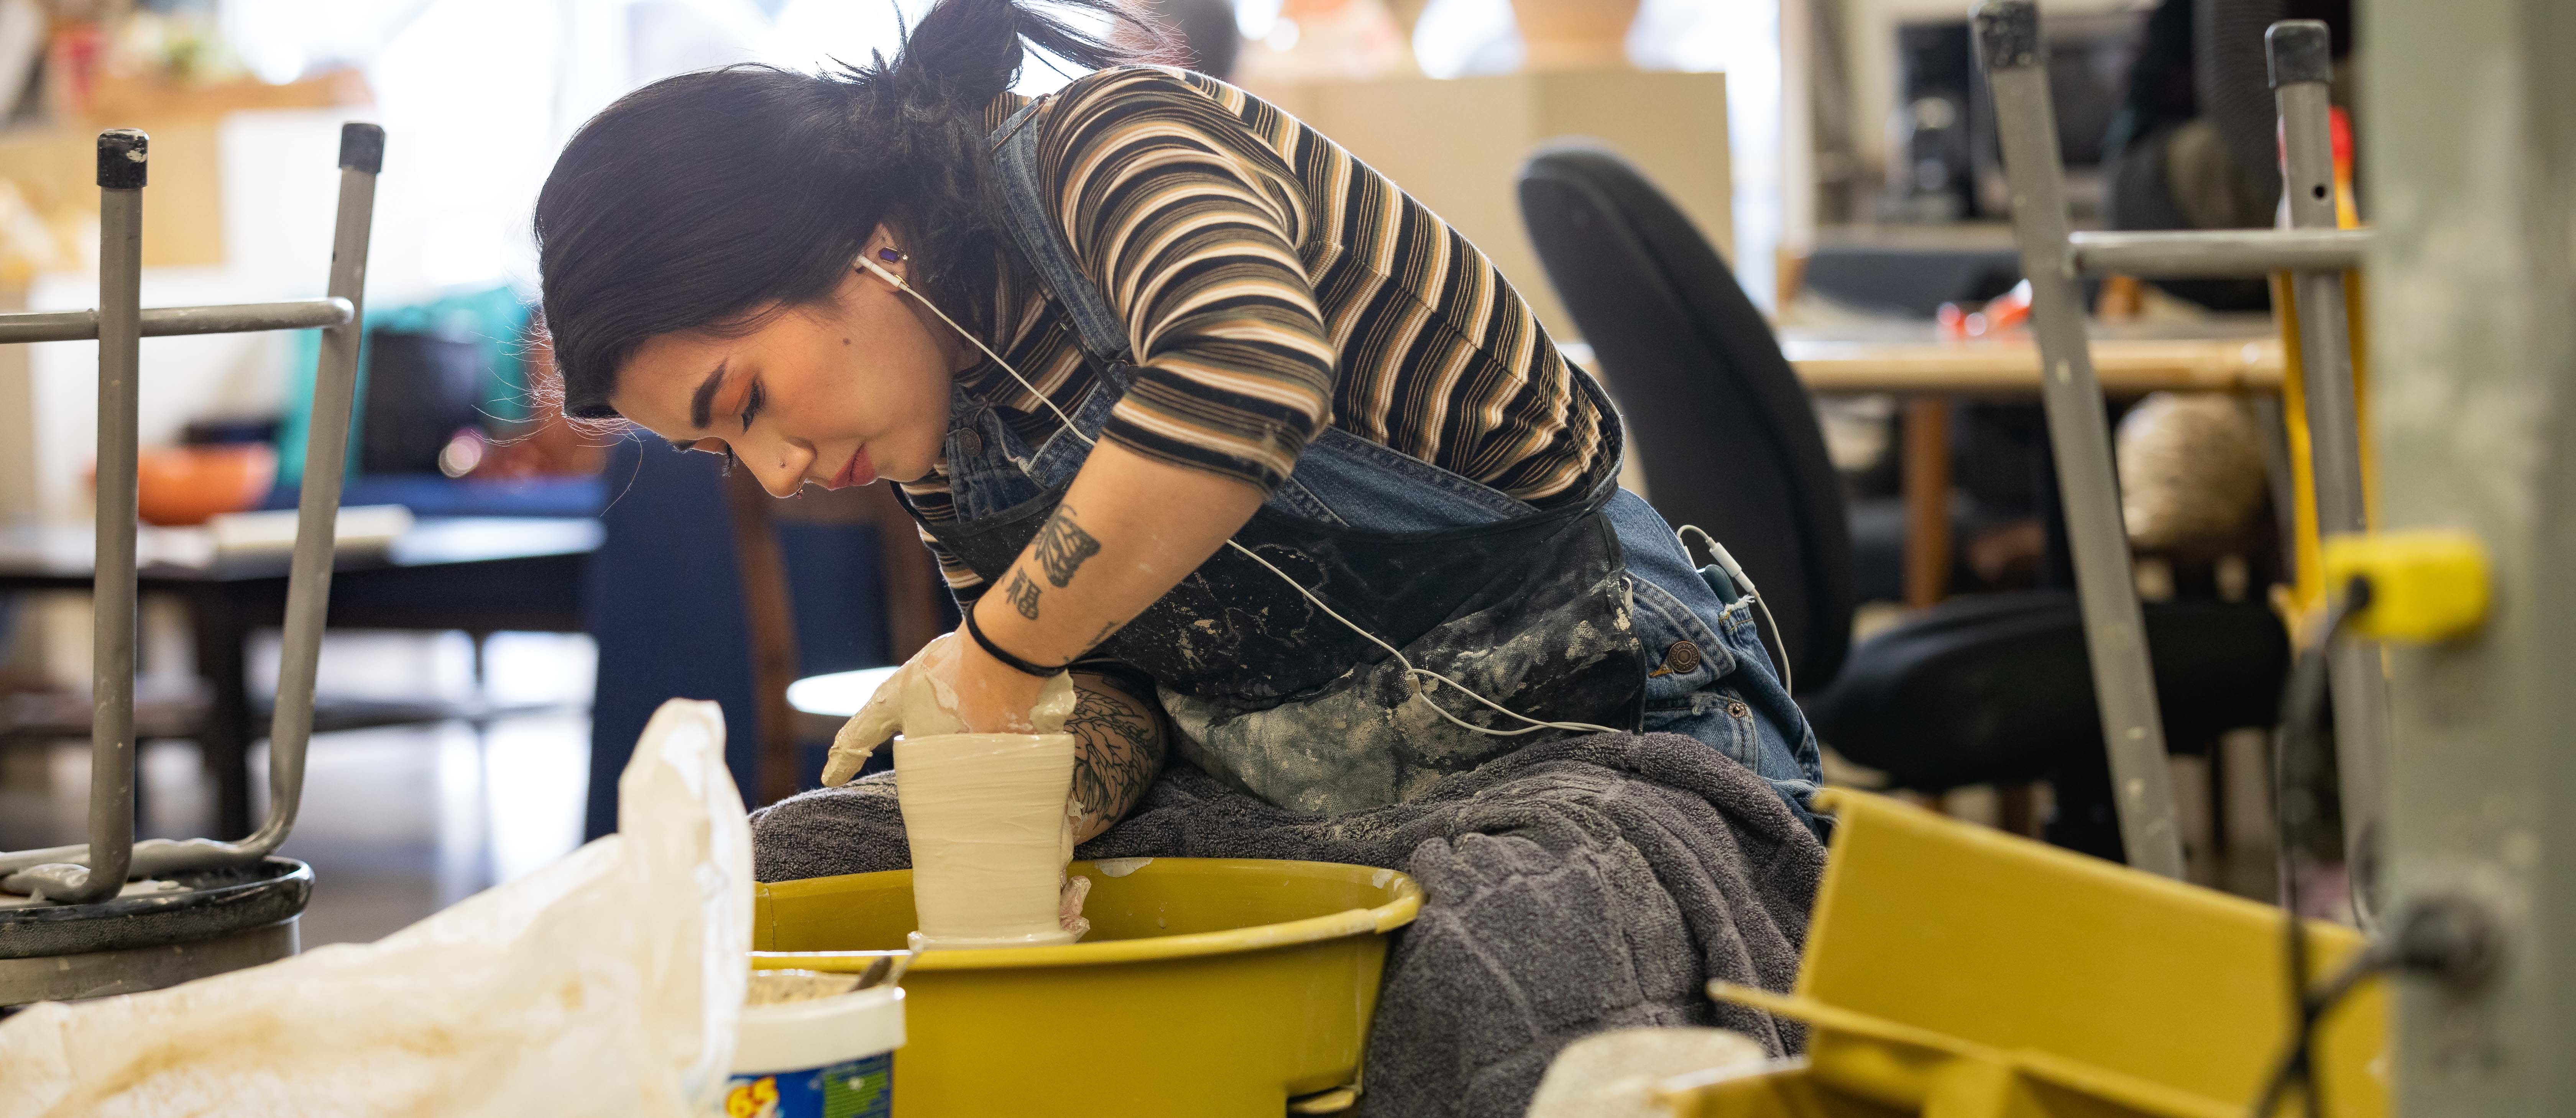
{"x": 882, "y": 274}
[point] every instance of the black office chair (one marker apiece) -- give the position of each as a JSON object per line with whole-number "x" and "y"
{"x": 1992, "y": 689}
{"x": 1728, "y": 438}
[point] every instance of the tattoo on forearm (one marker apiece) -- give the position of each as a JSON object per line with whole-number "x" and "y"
{"x": 1022, "y": 593}
{"x": 1062, "y": 546}
{"x": 1122, "y": 749}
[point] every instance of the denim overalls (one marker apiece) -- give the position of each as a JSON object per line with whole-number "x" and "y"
{"x": 1589, "y": 611}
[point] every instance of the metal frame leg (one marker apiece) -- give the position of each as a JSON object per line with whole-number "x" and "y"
{"x": 122, "y": 163}
{"x": 2301, "y": 67}
{"x": 326, "y": 447}
{"x": 2114, "y": 629}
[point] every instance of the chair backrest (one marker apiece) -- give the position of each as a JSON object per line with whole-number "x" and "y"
{"x": 1727, "y": 436}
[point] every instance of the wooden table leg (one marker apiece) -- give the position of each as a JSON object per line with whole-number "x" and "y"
{"x": 1926, "y": 471}
{"x": 224, "y": 737}
{"x": 2017, "y": 806}
{"x": 771, "y": 618}
{"x": 913, "y": 588}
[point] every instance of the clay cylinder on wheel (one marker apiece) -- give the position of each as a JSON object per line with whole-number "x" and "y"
{"x": 986, "y": 817}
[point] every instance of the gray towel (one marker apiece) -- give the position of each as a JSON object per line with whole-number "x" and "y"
{"x": 1579, "y": 885}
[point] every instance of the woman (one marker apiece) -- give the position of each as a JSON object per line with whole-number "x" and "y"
{"x": 1186, "y": 400}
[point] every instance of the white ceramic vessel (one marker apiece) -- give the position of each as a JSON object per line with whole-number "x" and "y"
{"x": 986, "y": 817}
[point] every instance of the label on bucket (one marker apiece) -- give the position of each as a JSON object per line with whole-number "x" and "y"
{"x": 861, "y": 1088}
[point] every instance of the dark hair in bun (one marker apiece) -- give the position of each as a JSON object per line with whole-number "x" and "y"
{"x": 695, "y": 201}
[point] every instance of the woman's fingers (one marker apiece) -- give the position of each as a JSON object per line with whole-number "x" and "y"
{"x": 1068, "y": 905}
{"x": 875, "y": 723}
{"x": 858, "y": 738}
{"x": 943, "y": 690}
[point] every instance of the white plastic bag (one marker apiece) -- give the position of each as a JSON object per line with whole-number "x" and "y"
{"x": 607, "y": 983}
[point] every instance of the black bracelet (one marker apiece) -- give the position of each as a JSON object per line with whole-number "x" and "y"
{"x": 976, "y": 630}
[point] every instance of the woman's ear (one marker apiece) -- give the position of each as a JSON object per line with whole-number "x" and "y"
{"x": 885, "y": 253}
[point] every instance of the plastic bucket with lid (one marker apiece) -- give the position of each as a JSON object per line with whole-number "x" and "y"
{"x": 805, "y": 1059}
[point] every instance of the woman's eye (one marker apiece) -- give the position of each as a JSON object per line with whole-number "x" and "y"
{"x": 751, "y": 402}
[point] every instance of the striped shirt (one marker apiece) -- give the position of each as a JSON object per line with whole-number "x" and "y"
{"x": 1271, "y": 284}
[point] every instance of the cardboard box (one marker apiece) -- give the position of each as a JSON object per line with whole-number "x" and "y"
{"x": 183, "y": 204}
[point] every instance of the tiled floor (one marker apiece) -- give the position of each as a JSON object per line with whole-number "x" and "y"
{"x": 399, "y": 822}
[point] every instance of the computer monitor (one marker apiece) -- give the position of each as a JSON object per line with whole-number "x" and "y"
{"x": 1944, "y": 163}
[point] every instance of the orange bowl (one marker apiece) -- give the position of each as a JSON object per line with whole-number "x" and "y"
{"x": 187, "y": 485}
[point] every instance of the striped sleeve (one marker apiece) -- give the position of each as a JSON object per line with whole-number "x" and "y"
{"x": 934, "y": 502}
{"x": 1190, "y": 227}
{"x": 963, "y": 583}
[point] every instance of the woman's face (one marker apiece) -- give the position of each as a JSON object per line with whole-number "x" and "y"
{"x": 838, "y": 394}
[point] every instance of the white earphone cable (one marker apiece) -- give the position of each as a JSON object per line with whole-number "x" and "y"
{"x": 1716, "y": 550}
{"x": 1422, "y": 692}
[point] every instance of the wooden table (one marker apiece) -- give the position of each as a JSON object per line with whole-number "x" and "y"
{"x": 2234, "y": 353}
{"x": 478, "y": 574}
{"x": 2231, "y": 354}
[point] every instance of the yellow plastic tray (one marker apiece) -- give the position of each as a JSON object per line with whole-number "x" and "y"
{"x": 1956, "y": 970}
{"x": 1207, "y": 987}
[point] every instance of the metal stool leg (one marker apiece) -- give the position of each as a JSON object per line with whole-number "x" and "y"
{"x": 317, "y": 510}
{"x": 122, "y": 156}
{"x": 2301, "y": 68}
{"x": 2114, "y": 630}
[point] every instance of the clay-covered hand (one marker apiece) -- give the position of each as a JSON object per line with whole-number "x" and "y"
{"x": 920, "y": 700}
{"x": 1068, "y": 905}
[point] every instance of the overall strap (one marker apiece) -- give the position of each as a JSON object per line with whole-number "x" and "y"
{"x": 1031, "y": 223}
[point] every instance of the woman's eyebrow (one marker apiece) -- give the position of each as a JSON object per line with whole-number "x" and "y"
{"x": 702, "y": 403}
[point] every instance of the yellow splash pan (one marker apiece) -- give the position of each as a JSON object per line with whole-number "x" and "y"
{"x": 1207, "y": 987}
{"x": 1955, "y": 970}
